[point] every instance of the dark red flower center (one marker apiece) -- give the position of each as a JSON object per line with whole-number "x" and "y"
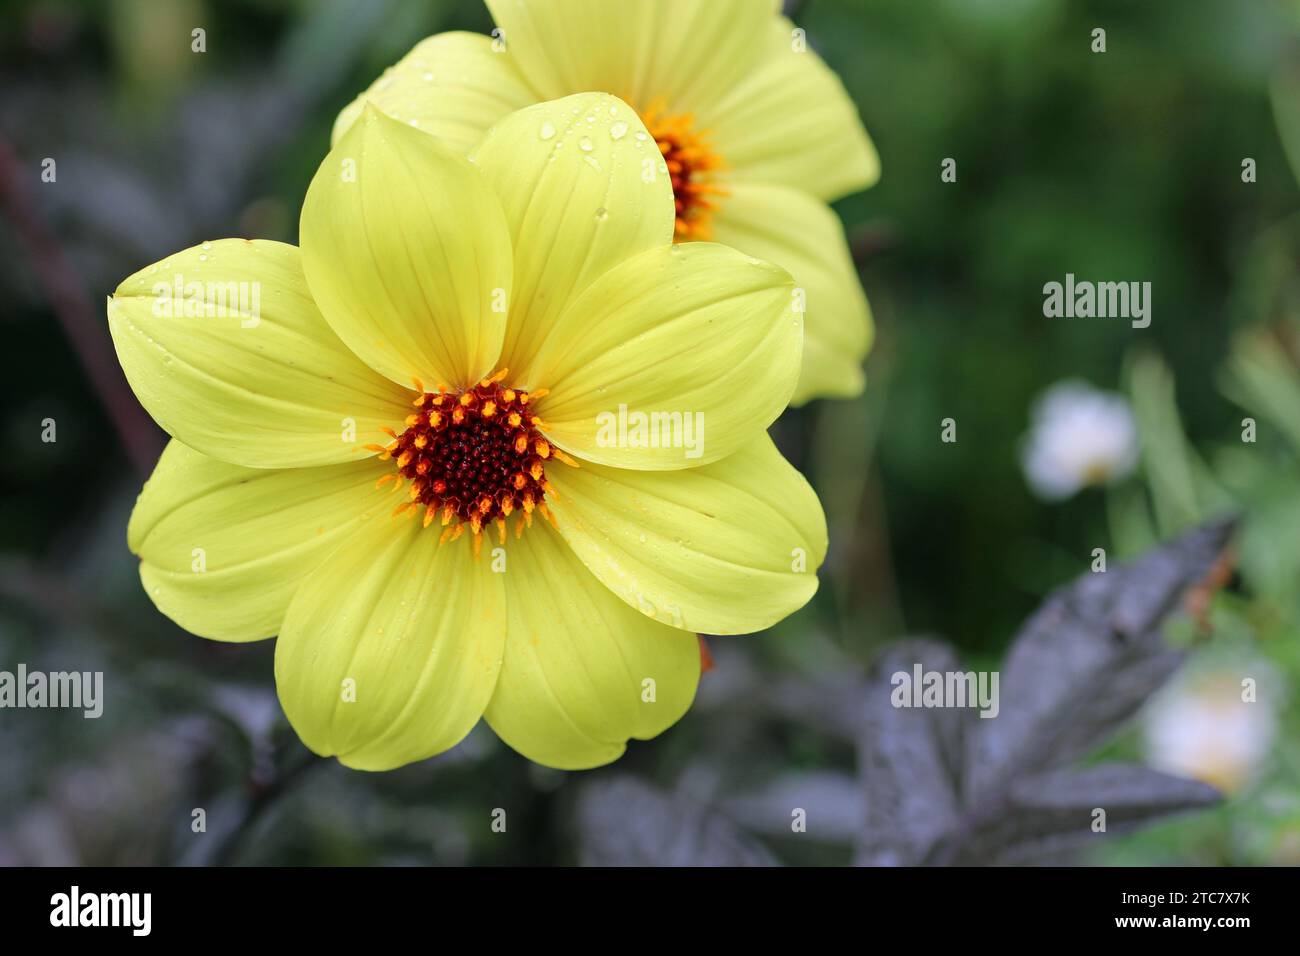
{"x": 691, "y": 163}
{"x": 473, "y": 457}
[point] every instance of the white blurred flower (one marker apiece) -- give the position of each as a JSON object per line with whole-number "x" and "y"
{"x": 1201, "y": 726}
{"x": 1079, "y": 436}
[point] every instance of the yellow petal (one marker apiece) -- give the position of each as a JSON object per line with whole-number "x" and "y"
{"x": 407, "y": 254}
{"x": 697, "y": 331}
{"x": 684, "y": 52}
{"x": 224, "y": 347}
{"x": 452, "y": 85}
{"x": 802, "y": 235}
{"x": 583, "y": 188}
{"x": 223, "y": 548}
{"x": 729, "y": 548}
{"x": 792, "y": 122}
{"x": 582, "y": 671}
{"x": 391, "y": 648}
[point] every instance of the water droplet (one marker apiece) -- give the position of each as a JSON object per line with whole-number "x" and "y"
{"x": 591, "y": 161}
{"x": 618, "y": 130}
{"x": 207, "y": 245}
{"x": 602, "y": 214}
{"x": 584, "y": 144}
{"x": 547, "y": 131}
{"x": 203, "y": 258}
{"x": 428, "y": 77}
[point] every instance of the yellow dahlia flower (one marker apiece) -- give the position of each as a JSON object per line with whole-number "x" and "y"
{"x": 758, "y": 133}
{"x": 491, "y": 543}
